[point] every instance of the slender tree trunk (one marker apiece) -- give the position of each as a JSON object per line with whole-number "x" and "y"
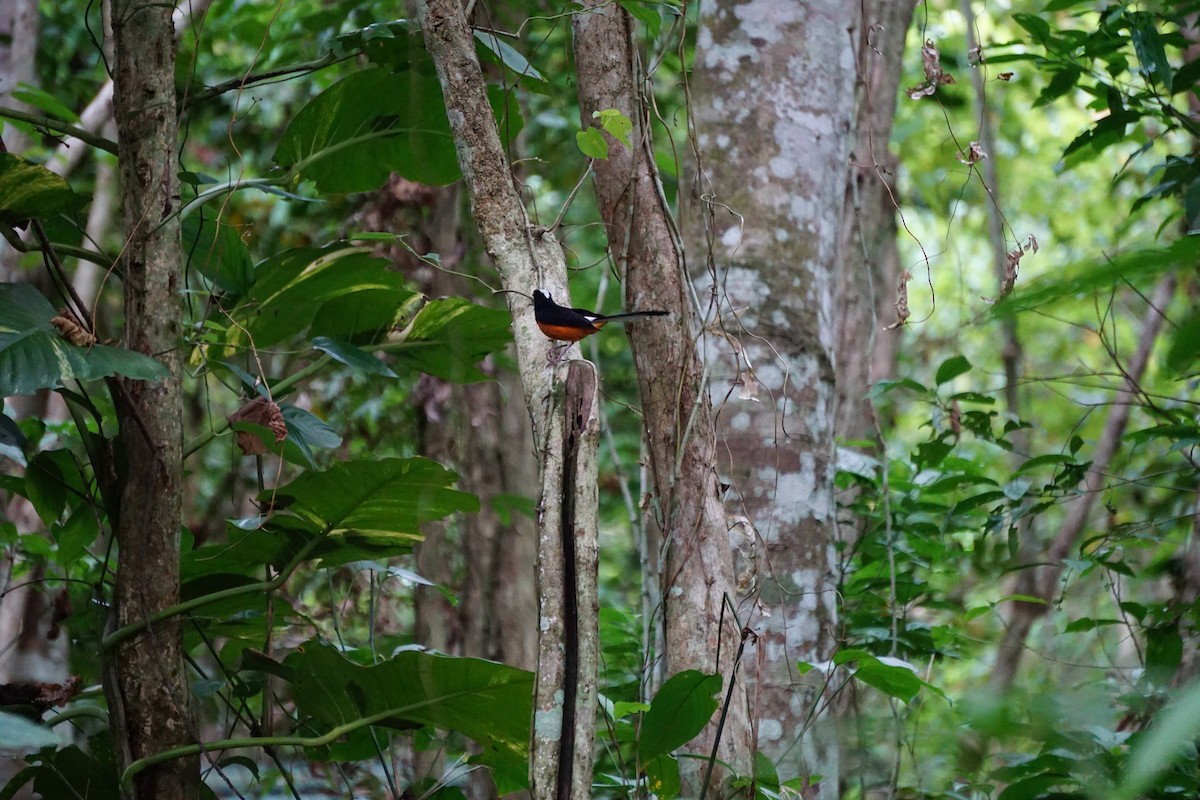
{"x": 697, "y": 577}
{"x": 1042, "y": 582}
{"x": 527, "y": 257}
{"x": 149, "y": 698}
{"x": 869, "y": 259}
{"x": 19, "y": 27}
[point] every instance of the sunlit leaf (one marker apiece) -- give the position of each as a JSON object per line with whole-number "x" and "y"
{"x": 591, "y": 143}
{"x": 951, "y": 368}
{"x": 30, "y": 190}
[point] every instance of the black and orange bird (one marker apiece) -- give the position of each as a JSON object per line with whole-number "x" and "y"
{"x": 572, "y": 324}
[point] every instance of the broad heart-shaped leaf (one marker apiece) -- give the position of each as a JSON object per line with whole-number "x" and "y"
{"x": 679, "y": 711}
{"x": 490, "y": 703}
{"x": 377, "y": 499}
{"x": 450, "y": 335}
{"x": 337, "y": 291}
{"x": 353, "y": 135}
{"x": 34, "y": 356}
{"x": 30, "y": 190}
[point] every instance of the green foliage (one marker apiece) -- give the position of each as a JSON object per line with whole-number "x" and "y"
{"x": 29, "y": 190}
{"x": 267, "y": 314}
{"x": 33, "y": 354}
{"x": 488, "y": 702}
{"x": 369, "y": 124}
{"x": 942, "y": 531}
{"x": 644, "y": 735}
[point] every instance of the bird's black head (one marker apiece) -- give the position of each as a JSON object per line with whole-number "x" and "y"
{"x": 541, "y": 299}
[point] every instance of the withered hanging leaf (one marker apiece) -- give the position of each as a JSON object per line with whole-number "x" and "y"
{"x": 931, "y": 59}
{"x": 71, "y": 329}
{"x": 1012, "y": 262}
{"x": 901, "y": 304}
{"x": 975, "y": 153}
{"x": 259, "y": 411}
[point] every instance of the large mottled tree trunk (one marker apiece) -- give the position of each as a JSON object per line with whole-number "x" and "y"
{"x": 697, "y": 574}
{"x": 774, "y": 89}
{"x": 149, "y": 698}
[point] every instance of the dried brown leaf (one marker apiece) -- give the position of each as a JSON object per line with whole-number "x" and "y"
{"x": 975, "y": 153}
{"x": 931, "y": 60}
{"x": 259, "y": 411}
{"x": 901, "y": 304}
{"x": 72, "y": 330}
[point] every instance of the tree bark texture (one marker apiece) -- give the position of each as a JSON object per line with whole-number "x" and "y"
{"x": 697, "y": 575}
{"x": 774, "y": 110}
{"x": 869, "y": 262}
{"x": 150, "y": 700}
{"x": 525, "y": 258}
{"x": 19, "y": 27}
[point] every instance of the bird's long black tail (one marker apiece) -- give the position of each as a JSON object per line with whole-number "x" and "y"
{"x": 632, "y": 315}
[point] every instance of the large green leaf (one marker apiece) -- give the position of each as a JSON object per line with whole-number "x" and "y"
{"x": 305, "y": 431}
{"x": 502, "y": 52}
{"x": 338, "y": 291}
{"x": 353, "y": 135}
{"x": 34, "y": 356}
{"x": 678, "y": 712}
{"x": 352, "y": 356}
{"x": 892, "y": 676}
{"x": 30, "y": 190}
{"x": 381, "y": 499}
{"x": 453, "y": 335}
{"x": 350, "y": 512}
{"x": 487, "y": 702}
